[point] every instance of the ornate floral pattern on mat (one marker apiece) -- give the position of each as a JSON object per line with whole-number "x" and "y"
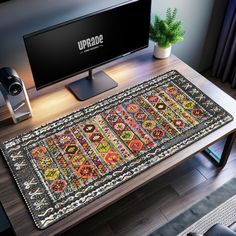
{"x": 62, "y": 166}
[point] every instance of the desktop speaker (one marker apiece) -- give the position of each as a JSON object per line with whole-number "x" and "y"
{"x": 15, "y": 95}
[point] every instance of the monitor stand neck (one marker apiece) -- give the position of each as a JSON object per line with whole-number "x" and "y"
{"x": 90, "y": 74}
{"x": 92, "y": 85}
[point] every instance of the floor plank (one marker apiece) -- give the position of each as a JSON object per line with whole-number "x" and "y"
{"x": 187, "y": 182}
{"x": 145, "y": 215}
{"x": 138, "y": 222}
{"x": 103, "y": 230}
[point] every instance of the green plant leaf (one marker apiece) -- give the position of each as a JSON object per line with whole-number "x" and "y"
{"x": 166, "y": 31}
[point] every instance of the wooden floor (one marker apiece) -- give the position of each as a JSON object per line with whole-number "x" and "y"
{"x": 161, "y": 200}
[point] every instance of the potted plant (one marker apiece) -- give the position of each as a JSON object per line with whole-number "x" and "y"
{"x": 165, "y": 33}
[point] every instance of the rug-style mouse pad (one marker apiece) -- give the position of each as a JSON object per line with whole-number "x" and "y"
{"x": 64, "y": 165}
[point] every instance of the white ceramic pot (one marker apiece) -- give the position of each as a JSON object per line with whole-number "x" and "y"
{"x": 161, "y": 53}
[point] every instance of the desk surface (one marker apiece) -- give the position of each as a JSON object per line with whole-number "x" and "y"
{"x": 59, "y": 102}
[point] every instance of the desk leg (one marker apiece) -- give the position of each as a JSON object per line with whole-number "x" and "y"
{"x": 221, "y": 160}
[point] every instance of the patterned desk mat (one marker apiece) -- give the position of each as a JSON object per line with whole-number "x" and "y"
{"x": 64, "y": 165}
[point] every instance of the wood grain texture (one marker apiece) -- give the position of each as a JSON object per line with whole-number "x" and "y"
{"x": 60, "y": 101}
{"x": 187, "y": 182}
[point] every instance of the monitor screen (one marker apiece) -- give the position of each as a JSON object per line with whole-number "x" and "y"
{"x": 75, "y": 46}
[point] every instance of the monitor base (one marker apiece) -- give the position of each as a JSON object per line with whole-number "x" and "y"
{"x": 92, "y": 85}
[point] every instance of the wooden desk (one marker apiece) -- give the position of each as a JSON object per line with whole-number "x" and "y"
{"x": 60, "y": 102}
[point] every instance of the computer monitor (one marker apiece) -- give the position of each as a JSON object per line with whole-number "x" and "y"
{"x": 84, "y": 43}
